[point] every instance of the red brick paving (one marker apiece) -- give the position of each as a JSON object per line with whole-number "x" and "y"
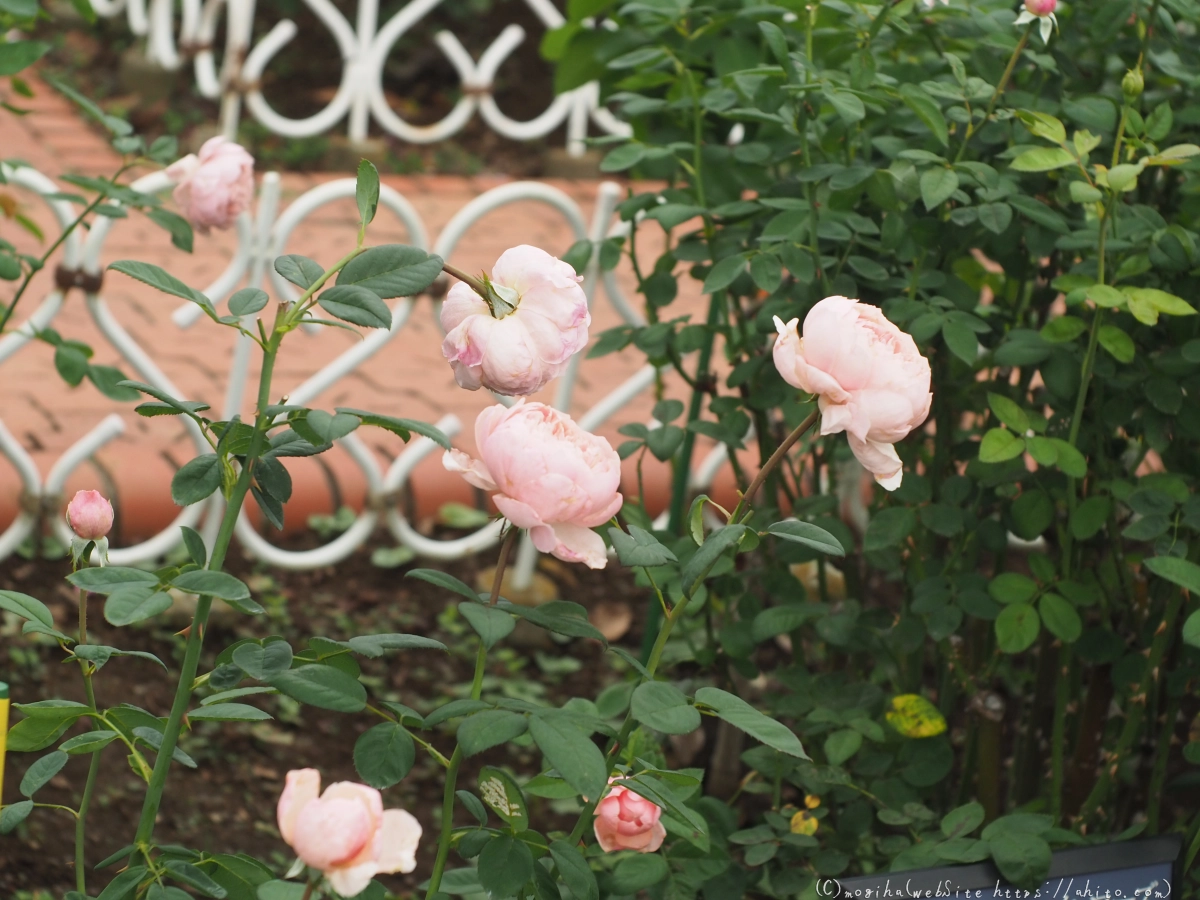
{"x": 408, "y": 377}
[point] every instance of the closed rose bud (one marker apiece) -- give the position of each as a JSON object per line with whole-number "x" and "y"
{"x": 552, "y": 477}
{"x": 1133, "y": 84}
{"x": 870, "y": 380}
{"x": 628, "y": 821}
{"x": 345, "y": 832}
{"x": 519, "y": 352}
{"x": 214, "y": 186}
{"x": 1041, "y": 7}
{"x": 90, "y": 515}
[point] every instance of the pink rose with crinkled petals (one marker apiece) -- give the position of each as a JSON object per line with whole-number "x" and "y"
{"x": 214, "y": 186}
{"x": 550, "y": 475}
{"x": 345, "y": 832}
{"x": 1041, "y": 7}
{"x": 529, "y": 345}
{"x": 627, "y": 821}
{"x": 870, "y": 380}
{"x": 90, "y": 515}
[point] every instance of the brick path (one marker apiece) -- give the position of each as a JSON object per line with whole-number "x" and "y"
{"x": 408, "y": 377}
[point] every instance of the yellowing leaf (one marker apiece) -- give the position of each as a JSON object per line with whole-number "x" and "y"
{"x": 1165, "y": 303}
{"x": 915, "y": 717}
{"x": 805, "y": 822}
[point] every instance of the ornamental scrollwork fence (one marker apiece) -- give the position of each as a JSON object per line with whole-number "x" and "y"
{"x": 176, "y": 35}
{"x": 262, "y": 235}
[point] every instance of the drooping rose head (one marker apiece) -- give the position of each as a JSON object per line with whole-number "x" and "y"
{"x": 550, "y": 475}
{"x": 1041, "y": 7}
{"x": 345, "y": 832}
{"x": 90, "y": 515}
{"x": 214, "y": 186}
{"x": 627, "y": 821}
{"x": 869, "y": 377}
{"x": 517, "y": 354}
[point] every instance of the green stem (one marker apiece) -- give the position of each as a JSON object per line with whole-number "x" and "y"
{"x": 1062, "y": 691}
{"x": 683, "y": 460}
{"x": 81, "y": 823}
{"x": 1135, "y": 709}
{"x": 622, "y": 737}
{"x": 1012, "y": 62}
{"x": 1159, "y": 774}
{"x": 776, "y": 458}
{"x": 470, "y": 280}
{"x": 443, "y": 851}
{"x": 1085, "y": 379}
{"x": 66, "y": 232}
{"x": 191, "y": 655}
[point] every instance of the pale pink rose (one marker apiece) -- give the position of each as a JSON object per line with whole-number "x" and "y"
{"x": 870, "y": 380}
{"x": 345, "y": 832}
{"x": 517, "y": 354}
{"x": 552, "y": 477}
{"x": 214, "y": 187}
{"x": 1041, "y": 7}
{"x": 627, "y": 821}
{"x": 90, "y": 515}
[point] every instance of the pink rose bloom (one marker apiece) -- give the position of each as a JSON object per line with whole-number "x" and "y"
{"x": 214, "y": 187}
{"x": 345, "y": 832}
{"x": 552, "y": 477}
{"x": 870, "y": 380}
{"x": 519, "y": 353}
{"x": 90, "y": 515}
{"x": 627, "y": 821}
{"x": 1041, "y": 7}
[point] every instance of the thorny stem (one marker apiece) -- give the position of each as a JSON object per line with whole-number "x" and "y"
{"x": 1012, "y": 62}
{"x": 443, "y": 852}
{"x": 510, "y": 541}
{"x": 1136, "y": 709}
{"x": 683, "y": 459}
{"x": 776, "y": 458}
{"x": 191, "y": 657}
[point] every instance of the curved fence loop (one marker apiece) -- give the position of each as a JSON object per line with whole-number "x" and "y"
{"x": 364, "y": 48}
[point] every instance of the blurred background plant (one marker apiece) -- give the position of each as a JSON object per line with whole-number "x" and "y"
{"x": 1026, "y": 210}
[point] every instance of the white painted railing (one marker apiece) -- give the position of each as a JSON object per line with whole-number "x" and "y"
{"x": 261, "y": 238}
{"x": 364, "y": 48}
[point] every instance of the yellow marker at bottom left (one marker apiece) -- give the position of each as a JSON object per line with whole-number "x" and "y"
{"x": 3, "y": 733}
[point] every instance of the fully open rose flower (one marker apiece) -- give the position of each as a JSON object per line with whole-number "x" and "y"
{"x": 870, "y": 380}
{"x": 90, "y": 515}
{"x": 544, "y": 322}
{"x": 627, "y": 821}
{"x": 1043, "y": 10}
{"x": 345, "y": 832}
{"x": 214, "y": 186}
{"x": 551, "y": 476}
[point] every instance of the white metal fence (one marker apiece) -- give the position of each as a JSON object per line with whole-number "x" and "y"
{"x": 364, "y": 48}
{"x": 262, "y": 236}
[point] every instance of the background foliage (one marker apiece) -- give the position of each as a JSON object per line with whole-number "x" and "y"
{"x": 1027, "y": 213}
